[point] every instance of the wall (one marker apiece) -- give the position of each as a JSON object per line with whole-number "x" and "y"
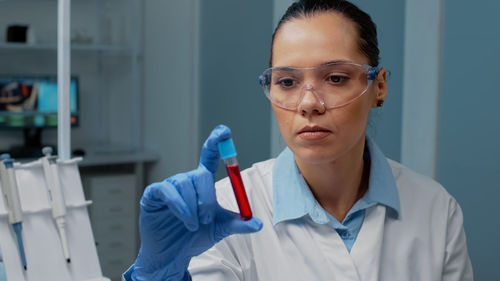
{"x": 385, "y": 123}
{"x": 234, "y": 50}
{"x": 422, "y": 68}
{"x": 169, "y": 47}
{"x": 468, "y": 138}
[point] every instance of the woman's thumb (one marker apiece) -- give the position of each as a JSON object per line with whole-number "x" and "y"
{"x": 236, "y": 225}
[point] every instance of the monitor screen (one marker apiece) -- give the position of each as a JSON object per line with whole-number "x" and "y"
{"x": 31, "y": 102}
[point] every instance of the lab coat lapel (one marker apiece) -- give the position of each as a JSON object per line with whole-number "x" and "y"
{"x": 339, "y": 265}
{"x": 366, "y": 251}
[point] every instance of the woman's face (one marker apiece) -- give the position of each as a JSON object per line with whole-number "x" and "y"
{"x": 309, "y": 42}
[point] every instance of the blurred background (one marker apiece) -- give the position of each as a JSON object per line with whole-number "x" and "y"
{"x": 153, "y": 78}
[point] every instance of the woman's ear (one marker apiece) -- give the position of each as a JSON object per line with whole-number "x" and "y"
{"x": 380, "y": 88}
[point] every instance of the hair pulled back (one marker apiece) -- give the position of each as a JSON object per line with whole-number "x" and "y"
{"x": 367, "y": 29}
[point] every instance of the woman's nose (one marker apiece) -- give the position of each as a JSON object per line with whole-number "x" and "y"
{"x": 311, "y": 102}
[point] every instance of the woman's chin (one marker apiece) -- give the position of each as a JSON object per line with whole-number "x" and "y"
{"x": 314, "y": 156}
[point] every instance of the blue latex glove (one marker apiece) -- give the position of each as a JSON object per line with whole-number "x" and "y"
{"x": 180, "y": 218}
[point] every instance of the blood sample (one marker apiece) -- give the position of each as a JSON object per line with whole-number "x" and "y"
{"x": 228, "y": 154}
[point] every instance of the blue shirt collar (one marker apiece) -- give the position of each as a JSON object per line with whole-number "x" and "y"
{"x": 293, "y": 199}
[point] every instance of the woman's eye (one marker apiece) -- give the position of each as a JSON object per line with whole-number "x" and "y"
{"x": 337, "y": 79}
{"x": 286, "y": 83}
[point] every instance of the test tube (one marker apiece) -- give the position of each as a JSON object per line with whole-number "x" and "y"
{"x": 228, "y": 155}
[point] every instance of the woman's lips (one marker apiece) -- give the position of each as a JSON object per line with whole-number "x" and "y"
{"x": 313, "y": 133}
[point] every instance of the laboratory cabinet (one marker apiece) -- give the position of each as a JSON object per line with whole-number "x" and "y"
{"x": 114, "y": 182}
{"x": 113, "y": 220}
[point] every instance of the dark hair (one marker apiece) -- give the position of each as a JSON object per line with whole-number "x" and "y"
{"x": 368, "y": 42}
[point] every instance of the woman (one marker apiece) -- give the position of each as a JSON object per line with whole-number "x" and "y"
{"x": 331, "y": 206}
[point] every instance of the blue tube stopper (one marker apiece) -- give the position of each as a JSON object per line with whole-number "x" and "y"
{"x": 4, "y": 156}
{"x": 226, "y": 148}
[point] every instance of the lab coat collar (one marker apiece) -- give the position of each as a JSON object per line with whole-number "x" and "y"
{"x": 382, "y": 185}
{"x": 292, "y": 198}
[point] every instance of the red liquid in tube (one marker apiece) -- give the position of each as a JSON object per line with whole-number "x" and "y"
{"x": 233, "y": 171}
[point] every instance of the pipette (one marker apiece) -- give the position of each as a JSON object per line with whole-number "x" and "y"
{"x": 11, "y": 194}
{"x": 56, "y": 197}
{"x": 228, "y": 154}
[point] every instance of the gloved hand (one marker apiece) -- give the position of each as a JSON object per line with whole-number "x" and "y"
{"x": 180, "y": 218}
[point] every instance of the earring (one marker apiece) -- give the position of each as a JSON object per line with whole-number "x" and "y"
{"x": 380, "y": 103}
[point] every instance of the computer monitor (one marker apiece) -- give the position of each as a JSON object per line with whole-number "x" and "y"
{"x": 30, "y": 103}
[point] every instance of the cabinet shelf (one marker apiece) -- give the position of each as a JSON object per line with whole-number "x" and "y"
{"x": 74, "y": 47}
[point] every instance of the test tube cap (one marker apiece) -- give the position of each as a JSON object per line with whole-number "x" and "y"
{"x": 4, "y": 156}
{"x": 226, "y": 148}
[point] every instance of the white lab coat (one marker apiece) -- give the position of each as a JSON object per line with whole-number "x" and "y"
{"x": 426, "y": 243}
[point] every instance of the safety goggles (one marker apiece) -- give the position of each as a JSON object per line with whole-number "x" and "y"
{"x": 335, "y": 84}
